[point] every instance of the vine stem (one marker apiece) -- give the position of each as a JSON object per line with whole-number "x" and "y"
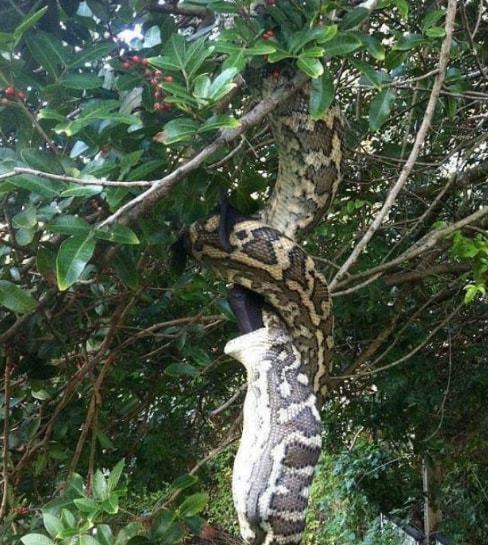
{"x": 417, "y": 146}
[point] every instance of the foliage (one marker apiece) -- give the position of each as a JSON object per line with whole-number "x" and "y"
{"x": 107, "y": 352}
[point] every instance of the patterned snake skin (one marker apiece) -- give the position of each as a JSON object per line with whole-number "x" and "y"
{"x": 287, "y": 360}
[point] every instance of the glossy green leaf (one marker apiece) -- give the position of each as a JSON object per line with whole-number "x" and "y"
{"x": 92, "y": 53}
{"x": 402, "y": 6}
{"x": 321, "y": 94}
{"x": 179, "y": 129}
{"x": 53, "y": 525}
{"x": 100, "y": 488}
{"x": 81, "y": 81}
{"x": 69, "y": 225}
{"x": 85, "y": 505}
{"x": 117, "y": 233}
{"x": 115, "y": 474}
{"x": 48, "y": 52}
{"x": 29, "y": 22}
{"x": 354, "y": 18}
{"x": 311, "y": 66}
{"x": 73, "y": 255}
{"x": 181, "y": 369}
{"x": 16, "y": 299}
{"x": 342, "y": 44}
{"x": 82, "y": 191}
{"x": 36, "y": 539}
{"x": 193, "y": 505}
{"x": 408, "y": 41}
{"x": 26, "y": 219}
{"x": 380, "y": 108}
{"x": 219, "y": 122}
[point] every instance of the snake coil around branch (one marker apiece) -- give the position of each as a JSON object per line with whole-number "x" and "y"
{"x": 284, "y": 311}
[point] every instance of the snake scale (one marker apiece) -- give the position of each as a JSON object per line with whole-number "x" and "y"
{"x": 288, "y": 358}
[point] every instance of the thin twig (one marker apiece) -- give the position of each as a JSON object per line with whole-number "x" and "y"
{"x": 6, "y": 434}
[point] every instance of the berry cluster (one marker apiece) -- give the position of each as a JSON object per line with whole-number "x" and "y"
{"x": 154, "y": 77}
{"x": 14, "y": 94}
{"x": 268, "y": 34}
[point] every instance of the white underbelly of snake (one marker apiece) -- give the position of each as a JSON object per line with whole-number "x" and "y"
{"x": 288, "y": 359}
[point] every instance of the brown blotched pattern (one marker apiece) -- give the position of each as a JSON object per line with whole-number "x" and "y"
{"x": 288, "y": 360}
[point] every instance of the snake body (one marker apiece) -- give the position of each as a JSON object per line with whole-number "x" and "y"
{"x": 288, "y": 359}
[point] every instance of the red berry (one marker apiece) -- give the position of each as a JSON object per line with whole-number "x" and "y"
{"x": 159, "y": 107}
{"x": 144, "y": 62}
{"x": 168, "y": 79}
{"x": 276, "y": 74}
{"x": 136, "y": 59}
{"x": 158, "y": 74}
{"x": 126, "y": 65}
{"x": 21, "y": 95}
{"x": 10, "y": 91}
{"x": 157, "y": 94}
{"x": 154, "y": 82}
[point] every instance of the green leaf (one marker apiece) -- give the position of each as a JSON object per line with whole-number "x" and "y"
{"x": 321, "y": 94}
{"x": 81, "y": 81}
{"x": 183, "y": 481}
{"x": 115, "y": 474}
{"x": 82, "y": 191}
{"x": 100, "y": 488}
{"x": 374, "y": 46}
{"x": 431, "y": 18}
{"x": 111, "y": 504}
{"x": 193, "y": 505}
{"x": 181, "y": 369}
{"x": 219, "y": 121}
{"x": 201, "y": 86}
{"x": 117, "y": 233}
{"x": 222, "y": 84}
{"x": 327, "y": 33}
{"x": 261, "y": 48}
{"x": 179, "y": 129}
{"x": 376, "y": 77}
{"x": 435, "y": 32}
{"x": 48, "y": 52}
{"x": 402, "y": 6}
{"x": 354, "y": 18}
{"x": 26, "y": 219}
{"x": 24, "y": 236}
{"x": 92, "y": 53}
{"x": 311, "y": 66}
{"x": 86, "y": 505}
{"x": 74, "y": 253}
{"x": 36, "y": 539}
{"x": 408, "y": 41}
{"x": 69, "y": 225}
{"x": 380, "y": 108}
{"x": 88, "y": 540}
{"x": 104, "y": 534}
{"x": 40, "y": 186}
{"x": 16, "y": 299}
{"x": 52, "y": 524}
{"x": 29, "y": 22}
{"x": 162, "y": 522}
{"x": 196, "y": 55}
{"x": 342, "y": 44}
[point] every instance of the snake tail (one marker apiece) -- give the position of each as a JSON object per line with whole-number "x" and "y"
{"x": 281, "y": 437}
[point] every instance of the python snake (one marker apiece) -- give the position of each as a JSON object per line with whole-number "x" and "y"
{"x": 288, "y": 359}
